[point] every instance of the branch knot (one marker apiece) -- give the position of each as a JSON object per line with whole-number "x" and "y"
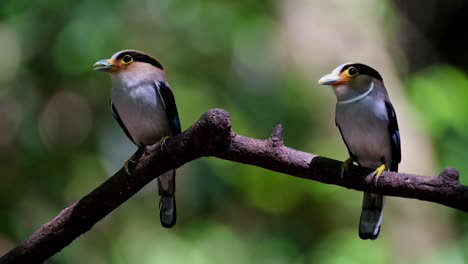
{"x": 276, "y": 137}
{"x": 450, "y": 175}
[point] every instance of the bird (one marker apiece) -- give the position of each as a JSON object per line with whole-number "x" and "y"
{"x": 368, "y": 126}
{"x": 144, "y": 106}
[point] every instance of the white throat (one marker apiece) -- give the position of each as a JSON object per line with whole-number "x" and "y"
{"x": 359, "y": 97}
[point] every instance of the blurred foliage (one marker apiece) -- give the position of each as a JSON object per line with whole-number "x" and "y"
{"x": 440, "y": 93}
{"x": 58, "y": 139}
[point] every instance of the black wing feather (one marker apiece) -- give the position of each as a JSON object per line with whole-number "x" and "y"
{"x": 394, "y": 133}
{"x": 119, "y": 121}
{"x": 169, "y": 103}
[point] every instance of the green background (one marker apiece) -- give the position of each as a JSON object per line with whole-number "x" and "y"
{"x": 259, "y": 60}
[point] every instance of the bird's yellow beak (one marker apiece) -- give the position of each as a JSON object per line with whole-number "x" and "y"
{"x": 333, "y": 79}
{"x": 105, "y": 65}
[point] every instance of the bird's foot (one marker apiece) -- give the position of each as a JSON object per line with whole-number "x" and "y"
{"x": 162, "y": 142}
{"x": 378, "y": 172}
{"x": 344, "y": 166}
{"x": 131, "y": 163}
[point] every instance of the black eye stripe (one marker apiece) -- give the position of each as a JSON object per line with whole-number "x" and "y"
{"x": 363, "y": 70}
{"x": 141, "y": 58}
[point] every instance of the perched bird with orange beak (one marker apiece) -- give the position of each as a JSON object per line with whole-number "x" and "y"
{"x": 369, "y": 128}
{"x": 144, "y": 106}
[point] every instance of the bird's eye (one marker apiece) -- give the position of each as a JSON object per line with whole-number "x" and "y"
{"x": 127, "y": 59}
{"x": 352, "y": 72}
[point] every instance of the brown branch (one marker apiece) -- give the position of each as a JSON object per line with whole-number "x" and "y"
{"x": 212, "y": 136}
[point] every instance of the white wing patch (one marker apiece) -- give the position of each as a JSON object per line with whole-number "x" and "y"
{"x": 160, "y": 95}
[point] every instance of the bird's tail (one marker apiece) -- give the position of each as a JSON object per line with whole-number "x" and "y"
{"x": 371, "y": 216}
{"x": 167, "y": 203}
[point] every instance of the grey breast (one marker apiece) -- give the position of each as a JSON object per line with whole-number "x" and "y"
{"x": 364, "y": 125}
{"x": 142, "y": 112}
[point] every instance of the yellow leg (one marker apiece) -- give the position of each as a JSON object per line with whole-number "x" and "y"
{"x": 378, "y": 172}
{"x": 163, "y": 142}
{"x": 344, "y": 166}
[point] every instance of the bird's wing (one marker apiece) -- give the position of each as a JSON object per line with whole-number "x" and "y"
{"x": 349, "y": 151}
{"x": 166, "y": 182}
{"x": 121, "y": 124}
{"x": 167, "y": 97}
{"x": 394, "y": 133}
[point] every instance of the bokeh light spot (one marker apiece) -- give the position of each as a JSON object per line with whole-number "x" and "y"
{"x": 10, "y": 55}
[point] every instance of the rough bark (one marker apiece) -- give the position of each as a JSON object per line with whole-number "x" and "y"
{"x": 212, "y": 136}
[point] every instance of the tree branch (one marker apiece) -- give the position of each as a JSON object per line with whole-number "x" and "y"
{"x": 211, "y": 135}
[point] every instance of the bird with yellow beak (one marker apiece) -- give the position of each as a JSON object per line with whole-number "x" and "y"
{"x": 369, "y": 128}
{"x": 144, "y": 106}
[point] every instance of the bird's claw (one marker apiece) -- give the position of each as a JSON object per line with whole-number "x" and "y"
{"x": 131, "y": 163}
{"x": 344, "y": 166}
{"x": 378, "y": 172}
{"x": 128, "y": 163}
{"x": 162, "y": 142}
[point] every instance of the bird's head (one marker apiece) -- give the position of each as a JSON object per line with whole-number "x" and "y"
{"x": 351, "y": 79}
{"x": 131, "y": 67}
